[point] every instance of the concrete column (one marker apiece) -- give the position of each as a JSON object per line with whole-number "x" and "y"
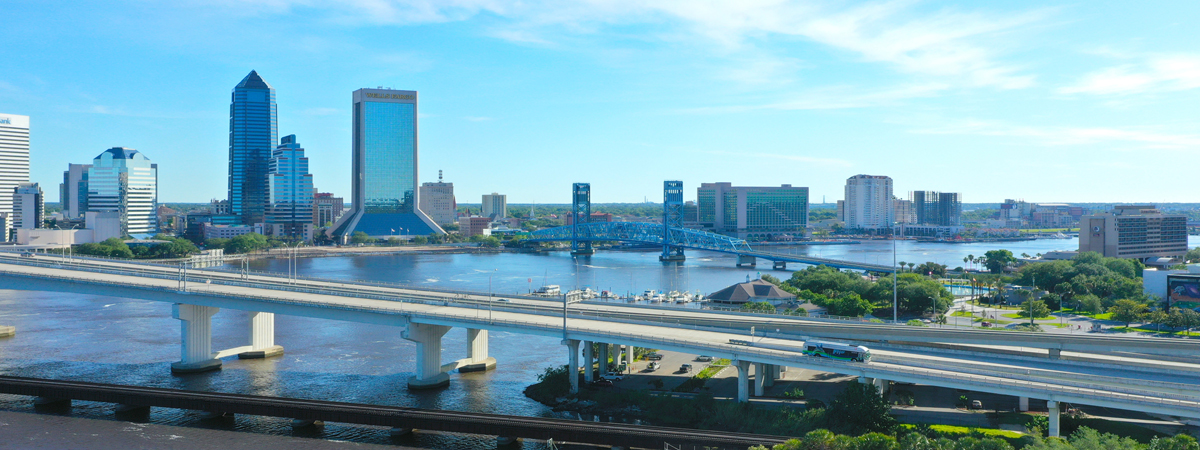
{"x": 573, "y": 363}
{"x": 769, "y": 374}
{"x": 1055, "y": 353}
{"x": 603, "y": 359}
{"x": 429, "y": 355}
{"x": 629, "y": 356}
{"x": 743, "y": 390}
{"x": 588, "y": 361}
{"x": 262, "y": 337}
{"x": 195, "y": 324}
{"x": 477, "y": 352}
{"x": 1052, "y": 406}
{"x": 760, "y": 379}
{"x": 880, "y": 384}
{"x": 779, "y": 371}
{"x": 1023, "y": 403}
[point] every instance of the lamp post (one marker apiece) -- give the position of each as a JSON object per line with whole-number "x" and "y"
{"x": 292, "y": 272}
{"x": 895, "y": 282}
{"x": 574, "y": 296}
{"x": 62, "y": 237}
{"x": 490, "y": 299}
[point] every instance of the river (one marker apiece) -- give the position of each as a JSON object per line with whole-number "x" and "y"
{"x": 113, "y": 340}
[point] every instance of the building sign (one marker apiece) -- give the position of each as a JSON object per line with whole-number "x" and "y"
{"x": 5, "y": 121}
{"x": 390, "y": 96}
{"x": 1183, "y": 291}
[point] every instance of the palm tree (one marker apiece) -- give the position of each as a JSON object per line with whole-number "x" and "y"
{"x": 911, "y": 266}
{"x": 971, "y": 259}
{"x": 902, "y": 263}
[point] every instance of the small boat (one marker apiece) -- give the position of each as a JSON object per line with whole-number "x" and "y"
{"x": 548, "y": 290}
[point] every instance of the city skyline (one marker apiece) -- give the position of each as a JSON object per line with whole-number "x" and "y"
{"x": 637, "y": 95}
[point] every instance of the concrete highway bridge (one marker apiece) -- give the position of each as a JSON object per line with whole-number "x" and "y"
{"x": 687, "y": 238}
{"x": 1154, "y": 375}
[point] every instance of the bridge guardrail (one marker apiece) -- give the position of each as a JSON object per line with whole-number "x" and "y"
{"x": 984, "y": 381}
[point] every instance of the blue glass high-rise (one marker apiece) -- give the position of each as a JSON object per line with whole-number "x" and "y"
{"x": 384, "y": 178}
{"x": 253, "y": 131}
{"x": 290, "y": 210}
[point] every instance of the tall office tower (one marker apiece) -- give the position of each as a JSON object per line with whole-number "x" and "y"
{"x": 746, "y": 211}
{"x": 72, "y": 193}
{"x": 384, "y": 178}
{"x": 253, "y": 130}
{"x": 437, "y": 201}
{"x": 937, "y": 208}
{"x": 125, "y": 181}
{"x": 14, "y": 156}
{"x": 868, "y": 204}
{"x": 495, "y": 206}
{"x": 28, "y": 206}
{"x": 1134, "y": 231}
{"x": 290, "y": 210}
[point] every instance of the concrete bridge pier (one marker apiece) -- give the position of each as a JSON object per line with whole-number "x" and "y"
{"x": 262, "y": 337}
{"x": 1055, "y": 353}
{"x": 760, "y": 379}
{"x": 1023, "y": 403}
{"x": 603, "y": 358}
{"x": 477, "y": 352}
{"x": 429, "y": 351}
{"x": 629, "y": 353}
{"x": 745, "y": 260}
{"x": 743, "y": 382}
{"x": 588, "y": 362}
{"x": 779, "y": 265}
{"x": 1052, "y": 407}
{"x": 572, "y": 363}
{"x": 770, "y": 374}
{"x": 196, "y": 353}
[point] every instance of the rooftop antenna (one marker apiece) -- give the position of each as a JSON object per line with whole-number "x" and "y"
{"x": 439, "y": 175}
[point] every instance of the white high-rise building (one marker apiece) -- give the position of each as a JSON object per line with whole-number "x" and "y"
{"x": 28, "y": 206}
{"x": 14, "y": 157}
{"x": 437, "y": 201}
{"x": 125, "y": 181}
{"x": 869, "y": 202}
{"x": 495, "y": 206}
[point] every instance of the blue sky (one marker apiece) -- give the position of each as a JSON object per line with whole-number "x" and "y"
{"x": 1045, "y": 101}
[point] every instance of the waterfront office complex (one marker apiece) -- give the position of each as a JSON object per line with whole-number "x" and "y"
{"x": 14, "y": 157}
{"x": 437, "y": 201}
{"x": 868, "y": 204}
{"x": 253, "y": 131}
{"x": 495, "y": 206}
{"x": 384, "y": 175}
{"x": 28, "y": 206}
{"x": 289, "y": 212}
{"x": 73, "y": 192}
{"x": 124, "y": 180}
{"x": 1134, "y": 231}
{"x": 752, "y": 212}
{"x": 937, "y": 208}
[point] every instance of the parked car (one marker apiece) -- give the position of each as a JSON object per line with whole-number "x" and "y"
{"x": 603, "y": 383}
{"x": 27, "y": 254}
{"x": 704, "y": 358}
{"x": 654, "y": 357}
{"x": 613, "y": 376}
{"x": 686, "y": 368}
{"x": 976, "y": 404}
{"x": 654, "y": 365}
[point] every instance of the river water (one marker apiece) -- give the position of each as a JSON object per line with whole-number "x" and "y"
{"x": 113, "y": 340}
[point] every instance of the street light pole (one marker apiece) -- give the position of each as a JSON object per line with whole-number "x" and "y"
{"x": 895, "y": 282}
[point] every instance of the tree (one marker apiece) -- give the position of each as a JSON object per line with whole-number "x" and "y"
{"x": 849, "y": 305}
{"x": 933, "y": 269}
{"x": 359, "y": 237}
{"x": 1159, "y": 318}
{"x": 997, "y": 260}
{"x": 1127, "y": 311}
{"x": 246, "y": 243}
{"x": 420, "y": 240}
{"x": 860, "y": 409}
{"x": 1183, "y": 318}
{"x": 1090, "y": 304}
{"x": 1088, "y": 439}
{"x": 758, "y": 307}
{"x": 1177, "y": 442}
{"x": 1034, "y": 309}
{"x": 1192, "y": 255}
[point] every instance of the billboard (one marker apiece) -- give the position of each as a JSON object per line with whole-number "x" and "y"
{"x": 1183, "y": 291}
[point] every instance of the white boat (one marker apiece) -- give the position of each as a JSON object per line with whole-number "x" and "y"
{"x": 548, "y": 290}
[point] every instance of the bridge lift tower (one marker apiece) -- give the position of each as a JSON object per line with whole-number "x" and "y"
{"x": 672, "y": 217}
{"x": 581, "y": 213}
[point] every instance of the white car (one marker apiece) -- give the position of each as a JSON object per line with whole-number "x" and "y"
{"x": 613, "y": 376}
{"x": 654, "y": 365}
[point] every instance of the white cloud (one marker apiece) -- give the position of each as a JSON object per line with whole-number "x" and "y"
{"x": 947, "y": 43}
{"x": 839, "y": 97}
{"x": 1065, "y": 135}
{"x": 1157, "y": 74}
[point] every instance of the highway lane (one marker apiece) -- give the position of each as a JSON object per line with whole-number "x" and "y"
{"x": 690, "y": 317}
{"x": 716, "y": 343}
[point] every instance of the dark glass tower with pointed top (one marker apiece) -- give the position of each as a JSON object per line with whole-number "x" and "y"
{"x": 253, "y": 131}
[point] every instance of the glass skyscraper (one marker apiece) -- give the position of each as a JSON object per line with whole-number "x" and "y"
{"x": 290, "y": 212}
{"x": 125, "y": 181}
{"x": 751, "y": 211}
{"x": 253, "y": 131}
{"x": 384, "y": 178}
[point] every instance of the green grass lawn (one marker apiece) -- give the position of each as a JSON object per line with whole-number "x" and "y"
{"x": 1150, "y": 329}
{"x": 1018, "y": 316}
{"x": 985, "y": 305}
{"x": 962, "y": 314}
{"x": 995, "y": 321}
{"x": 964, "y": 431}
